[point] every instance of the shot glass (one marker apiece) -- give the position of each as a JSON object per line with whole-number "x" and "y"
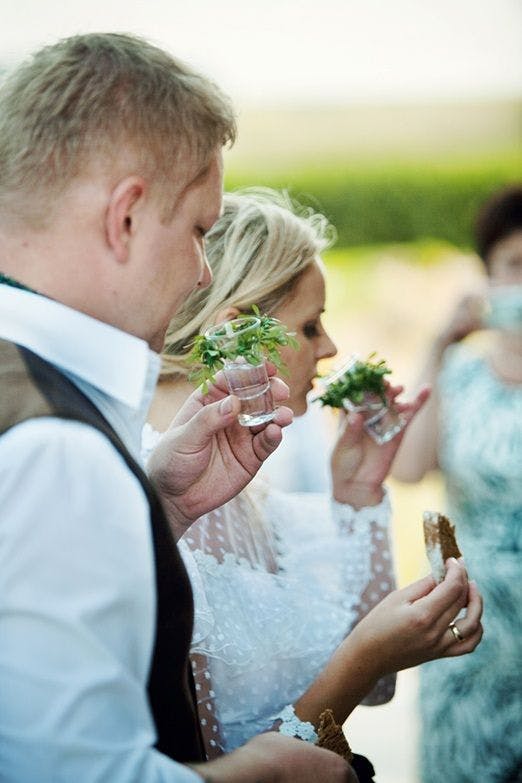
{"x": 381, "y": 421}
{"x": 248, "y": 382}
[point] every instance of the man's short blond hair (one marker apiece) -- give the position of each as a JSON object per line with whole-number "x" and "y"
{"x": 89, "y": 99}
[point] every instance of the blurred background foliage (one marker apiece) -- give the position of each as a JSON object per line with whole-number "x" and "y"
{"x": 385, "y": 174}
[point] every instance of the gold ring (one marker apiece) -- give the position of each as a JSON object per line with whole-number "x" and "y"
{"x": 456, "y": 633}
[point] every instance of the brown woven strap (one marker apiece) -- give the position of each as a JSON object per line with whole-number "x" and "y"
{"x": 330, "y": 736}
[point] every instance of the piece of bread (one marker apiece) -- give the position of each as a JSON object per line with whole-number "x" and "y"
{"x": 440, "y": 542}
{"x": 330, "y": 736}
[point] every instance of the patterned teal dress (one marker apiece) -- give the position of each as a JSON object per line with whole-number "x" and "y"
{"x": 471, "y": 706}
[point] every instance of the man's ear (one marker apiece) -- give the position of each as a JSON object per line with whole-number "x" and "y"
{"x": 124, "y": 202}
{"x": 226, "y": 314}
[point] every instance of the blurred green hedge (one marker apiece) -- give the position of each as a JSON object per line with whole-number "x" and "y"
{"x": 394, "y": 202}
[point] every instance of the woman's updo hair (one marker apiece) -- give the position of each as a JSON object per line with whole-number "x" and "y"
{"x": 499, "y": 217}
{"x": 257, "y": 251}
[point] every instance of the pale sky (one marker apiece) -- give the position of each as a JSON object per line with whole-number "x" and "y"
{"x": 302, "y": 52}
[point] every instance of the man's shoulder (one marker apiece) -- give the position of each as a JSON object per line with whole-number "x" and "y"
{"x": 74, "y": 442}
{"x": 20, "y": 397}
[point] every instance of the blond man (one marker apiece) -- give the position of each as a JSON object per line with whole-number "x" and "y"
{"x": 110, "y": 175}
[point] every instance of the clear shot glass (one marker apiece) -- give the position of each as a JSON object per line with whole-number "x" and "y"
{"x": 381, "y": 421}
{"x": 248, "y": 382}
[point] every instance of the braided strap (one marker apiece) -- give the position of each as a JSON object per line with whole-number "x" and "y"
{"x": 291, "y": 726}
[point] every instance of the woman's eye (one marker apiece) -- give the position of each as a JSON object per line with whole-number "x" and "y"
{"x": 310, "y": 330}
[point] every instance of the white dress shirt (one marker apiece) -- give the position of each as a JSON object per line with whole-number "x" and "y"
{"x": 77, "y": 586}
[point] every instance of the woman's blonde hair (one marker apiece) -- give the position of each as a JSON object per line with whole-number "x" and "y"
{"x": 104, "y": 100}
{"x": 257, "y": 251}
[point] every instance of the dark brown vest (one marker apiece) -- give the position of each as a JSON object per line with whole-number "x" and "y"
{"x": 31, "y": 387}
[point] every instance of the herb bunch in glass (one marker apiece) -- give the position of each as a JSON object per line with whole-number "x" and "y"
{"x": 240, "y": 348}
{"x": 360, "y": 386}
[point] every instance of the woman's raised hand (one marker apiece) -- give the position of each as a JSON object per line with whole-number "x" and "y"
{"x": 359, "y": 465}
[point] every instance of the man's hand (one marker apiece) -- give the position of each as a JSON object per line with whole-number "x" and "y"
{"x": 273, "y": 758}
{"x": 359, "y": 464}
{"x": 206, "y": 457}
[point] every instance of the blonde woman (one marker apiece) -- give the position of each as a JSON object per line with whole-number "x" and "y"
{"x": 280, "y": 579}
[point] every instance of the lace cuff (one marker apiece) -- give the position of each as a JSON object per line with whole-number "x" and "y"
{"x": 291, "y": 726}
{"x": 351, "y": 520}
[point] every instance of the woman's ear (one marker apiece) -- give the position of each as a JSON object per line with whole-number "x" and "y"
{"x": 124, "y": 203}
{"x": 226, "y": 314}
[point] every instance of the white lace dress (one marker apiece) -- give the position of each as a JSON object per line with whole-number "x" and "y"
{"x": 279, "y": 579}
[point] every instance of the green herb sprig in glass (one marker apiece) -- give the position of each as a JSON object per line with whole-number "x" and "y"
{"x": 262, "y": 341}
{"x": 361, "y": 378}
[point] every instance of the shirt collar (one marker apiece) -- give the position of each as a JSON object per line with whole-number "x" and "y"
{"x": 117, "y": 363}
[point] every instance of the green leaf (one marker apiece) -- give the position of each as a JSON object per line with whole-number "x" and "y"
{"x": 254, "y": 346}
{"x": 361, "y": 378}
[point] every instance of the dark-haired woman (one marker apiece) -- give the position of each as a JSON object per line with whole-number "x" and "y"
{"x": 471, "y": 429}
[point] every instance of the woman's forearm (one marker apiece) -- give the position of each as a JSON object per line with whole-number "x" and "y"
{"x": 418, "y": 452}
{"x": 347, "y": 678}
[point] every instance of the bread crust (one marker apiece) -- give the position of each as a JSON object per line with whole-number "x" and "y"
{"x": 440, "y": 542}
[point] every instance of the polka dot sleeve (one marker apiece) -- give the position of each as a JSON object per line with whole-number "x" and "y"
{"x": 374, "y": 520}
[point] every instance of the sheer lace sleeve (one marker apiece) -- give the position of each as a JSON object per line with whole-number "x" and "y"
{"x": 279, "y": 579}
{"x": 209, "y": 721}
{"x": 344, "y": 551}
{"x": 374, "y": 520}
{"x": 347, "y": 551}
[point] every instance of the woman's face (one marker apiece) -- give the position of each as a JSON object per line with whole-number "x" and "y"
{"x": 505, "y": 260}
{"x": 301, "y": 313}
{"x": 505, "y": 276}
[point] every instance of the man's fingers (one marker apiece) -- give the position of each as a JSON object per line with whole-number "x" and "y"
{"x": 280, "y": 390}
{"x": 266, "y": 441}
{"x": 199, "y": 430}
{"x": 218, "y": 389}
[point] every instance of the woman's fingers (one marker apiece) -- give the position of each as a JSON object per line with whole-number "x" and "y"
{"x": 439, "y": 606}
{"x": 419, "y": 589}
{"x": 468, "y": 627}
{"x": 409, "y": 409}
{"x": 350, "y": 429}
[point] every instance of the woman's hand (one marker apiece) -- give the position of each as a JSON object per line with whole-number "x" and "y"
{"x": 408, "y": 627}
{"x": 412, "y": 625}
{"x": 206, "y": 457}
{"x": 359, "y": 465}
